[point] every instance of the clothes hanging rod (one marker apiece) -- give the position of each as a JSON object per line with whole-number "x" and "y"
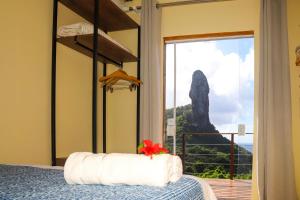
{"x": 178, "y": 3}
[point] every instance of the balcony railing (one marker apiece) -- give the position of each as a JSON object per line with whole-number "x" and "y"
{"x": 234, "y": 153}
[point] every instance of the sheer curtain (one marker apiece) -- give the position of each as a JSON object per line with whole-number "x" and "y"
{"x": 275, "y": 158}
{"x": 151, "y": 73}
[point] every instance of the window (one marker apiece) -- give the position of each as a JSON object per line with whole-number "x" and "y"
{"x": 209, "y": 90}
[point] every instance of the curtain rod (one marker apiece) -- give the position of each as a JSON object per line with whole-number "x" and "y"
{"x": 178, "y": 3}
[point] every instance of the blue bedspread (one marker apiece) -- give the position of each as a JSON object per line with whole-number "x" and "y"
{"x": 18, "y": 182}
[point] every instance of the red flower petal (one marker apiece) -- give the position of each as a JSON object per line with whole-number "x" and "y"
{"x": 148, "y": 143}
{"x": 156, "y": 148}
{"x": 148, "y": 148}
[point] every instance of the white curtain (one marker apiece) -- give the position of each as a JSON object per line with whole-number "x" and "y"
{"x": 275, "y": 158}
{"x": 151, "y": 73}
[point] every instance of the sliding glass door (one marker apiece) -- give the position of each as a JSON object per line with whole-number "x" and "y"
{"x": 209, "y": 105}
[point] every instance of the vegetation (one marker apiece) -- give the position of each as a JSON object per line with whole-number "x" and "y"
{"x": 203, "y": 158}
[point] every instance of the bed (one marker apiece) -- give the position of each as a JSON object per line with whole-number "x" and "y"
{"x": 32, "y": 182}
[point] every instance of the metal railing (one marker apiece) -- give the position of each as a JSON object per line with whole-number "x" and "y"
{"x": 231, "y": 154}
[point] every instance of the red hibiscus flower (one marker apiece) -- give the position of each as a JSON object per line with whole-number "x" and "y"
{"x": 149, "y": 149}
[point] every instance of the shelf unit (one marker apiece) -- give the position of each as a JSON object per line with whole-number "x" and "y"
{"x": 107, "y": 16}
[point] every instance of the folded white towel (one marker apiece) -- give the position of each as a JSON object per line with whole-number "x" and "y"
{"x": 81, "y": 28}
{"x": 115, "y": 168}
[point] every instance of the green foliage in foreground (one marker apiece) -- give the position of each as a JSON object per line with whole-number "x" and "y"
{"x": 208, "y": 161}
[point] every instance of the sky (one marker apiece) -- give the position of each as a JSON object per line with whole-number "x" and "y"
{"x": 229, "y": 67}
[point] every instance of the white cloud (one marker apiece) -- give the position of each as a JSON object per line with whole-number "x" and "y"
{"x": 230, "y": 79}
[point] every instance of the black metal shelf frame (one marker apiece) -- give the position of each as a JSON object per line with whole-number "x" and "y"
{"x": 94, "y": 84}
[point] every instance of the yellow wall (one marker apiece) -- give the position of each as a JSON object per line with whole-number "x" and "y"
{"x": 121, "y": 104}
{"x": 25, "y": 85}
{"x": 294, "y": 40}
{"x": 25, "y": 57}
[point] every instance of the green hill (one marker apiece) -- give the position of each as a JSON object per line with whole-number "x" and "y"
{"x": 203, "y": 158}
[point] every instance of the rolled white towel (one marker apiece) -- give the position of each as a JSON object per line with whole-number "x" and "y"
{"x": 83, "y": 168}
{"x": 177, "y": 169}
{"x": 137, "y": 169}
{"x": 115, "y": 168}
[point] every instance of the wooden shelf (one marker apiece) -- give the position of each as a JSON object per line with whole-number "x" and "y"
{"x": 108, "y": 51}
{"x": 111, "y": 17}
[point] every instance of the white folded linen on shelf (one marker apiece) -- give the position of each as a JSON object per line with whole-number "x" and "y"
{"x": 125, "y": 7}
{"x": 84, "y": 28}
{"x": 116, "y": 168}
{"x": 81, "y": 28}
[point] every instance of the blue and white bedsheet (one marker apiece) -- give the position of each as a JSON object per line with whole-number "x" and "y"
{"x": 21, "y": 182}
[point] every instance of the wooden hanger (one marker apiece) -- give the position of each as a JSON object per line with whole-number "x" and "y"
{"x": 120, "y": 75}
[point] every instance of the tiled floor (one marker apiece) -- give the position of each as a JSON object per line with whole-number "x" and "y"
{"x": 231, "y": 189}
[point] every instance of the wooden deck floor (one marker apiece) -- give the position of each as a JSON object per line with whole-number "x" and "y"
{"x": 231, "y": 189}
